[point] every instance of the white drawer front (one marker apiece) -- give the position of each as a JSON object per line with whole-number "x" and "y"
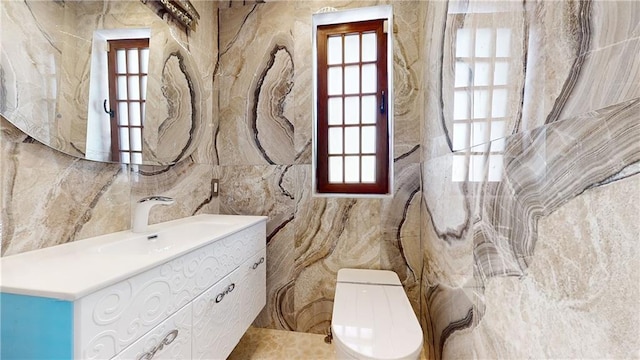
{"x": 171, "y": 340}
{"x": 221, "y": 316}
{"x": 111, "y": 319}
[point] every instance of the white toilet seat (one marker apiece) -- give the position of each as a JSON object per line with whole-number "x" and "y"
{"x": 372, "y": 317}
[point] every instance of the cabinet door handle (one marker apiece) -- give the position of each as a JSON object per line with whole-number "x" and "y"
{"x": 257, "y": 263}
{"x": 168, "y": 339}
{"x": 225, "y": 292}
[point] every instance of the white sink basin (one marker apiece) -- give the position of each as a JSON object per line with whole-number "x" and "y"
{"x": 72, "y": 270}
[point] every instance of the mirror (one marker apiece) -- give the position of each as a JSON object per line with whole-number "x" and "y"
{"x": 48, "y": 71}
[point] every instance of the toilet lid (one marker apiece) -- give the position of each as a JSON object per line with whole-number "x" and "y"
{"x": 375, "y": 321}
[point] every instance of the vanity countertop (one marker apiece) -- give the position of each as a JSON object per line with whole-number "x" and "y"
{"x": 73, "y": 270}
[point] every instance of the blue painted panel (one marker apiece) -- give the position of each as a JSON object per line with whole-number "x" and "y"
{"x": 35, "y": 328}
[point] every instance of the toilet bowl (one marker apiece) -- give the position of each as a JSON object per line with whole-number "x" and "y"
{"x": 372, "y": 317}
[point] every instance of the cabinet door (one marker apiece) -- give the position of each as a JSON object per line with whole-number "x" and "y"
{"x": 170, "y": 340}
{"x": 223, "y": 313}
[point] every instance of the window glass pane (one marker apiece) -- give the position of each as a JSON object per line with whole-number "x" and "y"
{"x": 459, "y": 168}
{"x": 134, "y": 114}
{"x": 481, "y": 75}
{"x": 499, "y": 103}
{"x": 136, "y": 158}
{"x": 132, "y": 60}
{"x": 479, "y": 133}
{"x": 143, "y": 88}
{"x": 369, "y": 47}
{"x": 144, "y": 112}
{"x": 121, "y": 60}
{"x": 460, "y": 136}
{"x": 463, "y": 43}
{"x": 369, "y": 78}
{"x": 369, "y": 108}
{"x": 123, "y": 113}
{"x": 144, "y": 61}
{"x": 460, "y": 105}
{"x": 335, "y": 111}
{"x": 497, "y": 130}
{"x": 335, "y": 80}
{"x": 352, "y": 140}
{"x": 484, "y": 42}
{"x": 368, "y": 169}
{"x": 335, "y": 140}
{"x": 136, "y": 139}
{"x": 501, "y": 73}
{"x": 463, "y": 74}
{"x": 351, "y": 79}
{"x": 476, "y": 167}
{"x": 495, "y": 167}
{"x": 351, "y": 169}
{"x": 122, "y": 88}
{"x": 368, "y": 139}
{"x": 503, "y": 42}
{"x": 134, "y": 88}
{"x": 335, "y": 169}
{"x": 124, "y": 139}
{"x": 334, "y": 50}
{"x": 352, "y": 48}
{"x": 124, "y": 157}
{"x": 480, "y": 98}
{"x": 498, "y": 145}
{"x": 351, "y": 110}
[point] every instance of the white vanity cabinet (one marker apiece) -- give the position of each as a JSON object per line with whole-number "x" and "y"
{"x": 195, "y": 305}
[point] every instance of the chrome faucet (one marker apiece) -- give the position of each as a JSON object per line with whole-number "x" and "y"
{"x": 141, "y": 212}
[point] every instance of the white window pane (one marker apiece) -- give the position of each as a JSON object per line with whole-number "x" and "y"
{"x": 460, "y": 136}
{"x": 497, "y": 130}
{"x": 144, "y": 61}
{"x": 499, "y": 103}
{"x": 476, "y": 167}
{"x": 501, "y": 73}
{"x": 498, "y": 145}
{"x": 335, "y": 111}
{"x": 136, "y": 139}
{"x": 368, "y": 169}
{"x": 143, "y": 88}
{"x": 335, "y": 169}
{"x": 369, "y": 109}
{"x": 479, "y": 133}
{"x": 503, "y": 42}
{"x": 124, "y": 139}
{"x": 132, "y": 61}
{"x": 484, "y": 42}
{"x": 144, "y": 112}
{"x": 463, "y": 43}
{"x": 121, "y": 60}
{"x": 495, "y": 167}
{"x": 351, "y": 79}
{"x": 123, "y": 113}
{"x": 460, "y": 105}
{"x": 459, "y": 168}
{"x": 122, "y": 88}
{"x": 351, "y": 169}
{"x": 134, "y": 88}
{"x": 352, "y": 48}
{"x": 480, "y": 99}
{"x": 481, "y": 75}
{"x": 463, "y": 74}
{"x": 136, "y": 158}
{"x": 335, "y": 140}
{"x": 352, "y": 140}
{"x": 335, "y": 80}
{"x": 369, "y": 47}
{"x": 351, "y": 110}
{"x": 368, "y": 139}
{"x": 334, "y": 50}
{"x": 134, "y": 114}
{"x": 124, "y": 157}
{"x": 369, "y": 78}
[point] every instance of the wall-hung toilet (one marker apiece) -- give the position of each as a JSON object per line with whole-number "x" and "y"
{"x": 372, "y": 317}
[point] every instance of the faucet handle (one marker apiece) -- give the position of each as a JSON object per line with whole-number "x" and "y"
{"x": 158, "y": 198}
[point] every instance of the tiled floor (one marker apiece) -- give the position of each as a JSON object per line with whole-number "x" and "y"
{"x": 268, "y": 344}
{"x": 271, "y": 344}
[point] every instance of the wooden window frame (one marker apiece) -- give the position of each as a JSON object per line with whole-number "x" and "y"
{"x": 382, "y": 183}
{"x": 126, "y": 44}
